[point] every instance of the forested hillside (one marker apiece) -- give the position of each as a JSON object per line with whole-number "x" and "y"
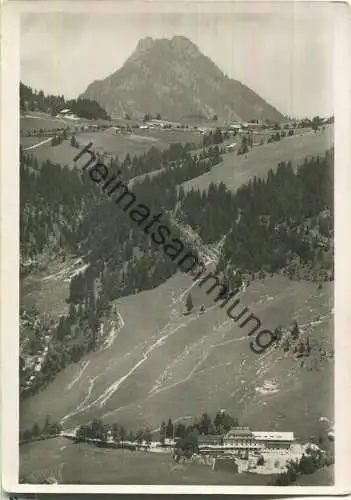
{"x": 281, "y": 224}
{"x": 77, "y": 220}
{"x": 31, "y": 100}
{"x": 284, "y": 222}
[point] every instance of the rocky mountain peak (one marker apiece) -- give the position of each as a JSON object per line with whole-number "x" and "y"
{"x": 171, "y": 76}
{"x": 178, "y": 45}
{"x": 145, "y": 44}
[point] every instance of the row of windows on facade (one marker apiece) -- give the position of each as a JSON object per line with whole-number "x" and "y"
{"x": 214, "y": 440}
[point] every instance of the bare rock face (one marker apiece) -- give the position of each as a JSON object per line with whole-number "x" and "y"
{"x": 173, "y": 78}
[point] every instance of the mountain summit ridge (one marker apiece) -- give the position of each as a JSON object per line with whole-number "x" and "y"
{"x": 172, "y": 77}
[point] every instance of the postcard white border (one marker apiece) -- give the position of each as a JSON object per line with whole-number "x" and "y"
{"x": 10, "y": 51}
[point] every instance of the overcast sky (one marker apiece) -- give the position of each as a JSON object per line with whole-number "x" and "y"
{"x": 283, "y": 52}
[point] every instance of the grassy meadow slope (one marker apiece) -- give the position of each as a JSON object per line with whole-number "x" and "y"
{"x": 86, "y": 464}
{"x": 137, "y": 142}
{"x": 36, "y": 120}
{"x": 237, "y": 170}
{"x": 108, "y": 141}
{"x": 162, "y": 363}
{"x": 47, "y": 289}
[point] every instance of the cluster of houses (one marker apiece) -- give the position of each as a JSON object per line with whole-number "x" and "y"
{"x": 240, "y": 449}
{"x": 254, "y": 126}
{"x": 241, "y": 442}
{"x": 238, "y": 441}
{"x": 263, "y": 452}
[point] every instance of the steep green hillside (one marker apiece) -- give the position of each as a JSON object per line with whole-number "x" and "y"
{"x": 161, "y": 363}
{"x": 237, "y": 170}
{"x": 105, "y": 141}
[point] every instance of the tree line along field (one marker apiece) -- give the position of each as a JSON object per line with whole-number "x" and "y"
{"x": 36, "y": 121}
{"x": 236, "y": 170}
{"x": 108, "y": 141}
{"x": 140, "y": 141}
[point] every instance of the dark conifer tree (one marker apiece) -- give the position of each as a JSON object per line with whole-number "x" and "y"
{"x": 295, "y": 332}
{"x": 169, "y": 429}
{"x": 189, "y": 303}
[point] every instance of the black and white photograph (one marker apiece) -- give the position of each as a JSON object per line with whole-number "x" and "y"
{"x": 175, "y": 273}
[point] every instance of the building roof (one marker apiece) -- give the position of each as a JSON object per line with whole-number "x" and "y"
{"x": 65, "y": 111}
{"x": 210, "y": 437}
{"x": 273, "y": 436}
{"x": 238, "y": 432}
